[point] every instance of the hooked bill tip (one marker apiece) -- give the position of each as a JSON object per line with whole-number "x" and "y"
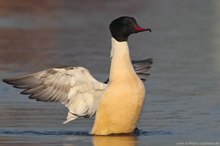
{"x": 140, "y": 29}
{"x": 149, "y": 30}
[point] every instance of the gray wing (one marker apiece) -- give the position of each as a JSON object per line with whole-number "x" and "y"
{"x": 141, "y": 68}
{"x": 74, "y": 87}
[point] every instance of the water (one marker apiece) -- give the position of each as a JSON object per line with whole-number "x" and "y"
{"x": 183, "y": 102}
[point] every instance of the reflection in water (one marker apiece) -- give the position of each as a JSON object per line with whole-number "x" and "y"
{"x": 114, "y": 141}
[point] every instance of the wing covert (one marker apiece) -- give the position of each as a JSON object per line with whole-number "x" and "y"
{"x": 74, "y": 87}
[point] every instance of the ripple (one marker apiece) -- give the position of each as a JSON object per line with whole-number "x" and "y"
{"x": 76, "y": 133}
{"x": 151, "y": 133}
{"x": 34, "y": 132}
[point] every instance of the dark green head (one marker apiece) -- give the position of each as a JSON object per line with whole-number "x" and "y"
{"x": 122, "y": 27}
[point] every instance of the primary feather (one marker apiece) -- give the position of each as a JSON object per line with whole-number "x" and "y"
{"x": 74, "y": 87}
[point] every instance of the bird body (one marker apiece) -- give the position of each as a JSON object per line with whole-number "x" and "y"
{"x": 117, "y": 103}
{"x": 122, "y": 101}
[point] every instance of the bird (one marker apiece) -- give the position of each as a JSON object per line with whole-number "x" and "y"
{"x": 116, "y": 103}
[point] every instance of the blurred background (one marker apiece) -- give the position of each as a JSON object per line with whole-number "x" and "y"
{"x": 183, "y": 93}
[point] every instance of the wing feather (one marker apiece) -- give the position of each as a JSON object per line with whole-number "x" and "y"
{"x": 141, "y": 67}
{"x": 74, "y": 87}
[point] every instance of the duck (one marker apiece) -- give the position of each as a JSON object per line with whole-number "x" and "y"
{"x": 116, "y": 103}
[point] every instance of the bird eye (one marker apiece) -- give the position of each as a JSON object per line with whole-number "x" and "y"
{"x": 128, "y": 24}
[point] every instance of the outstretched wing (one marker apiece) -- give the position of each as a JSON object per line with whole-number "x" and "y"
{"x": 74, "y": 87}
{"x": 141, "y": 68}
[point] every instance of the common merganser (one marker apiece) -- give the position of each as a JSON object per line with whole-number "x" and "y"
{"x": 117, "y": 103}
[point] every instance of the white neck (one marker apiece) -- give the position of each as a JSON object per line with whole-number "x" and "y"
{"x": 121, "y": 66}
